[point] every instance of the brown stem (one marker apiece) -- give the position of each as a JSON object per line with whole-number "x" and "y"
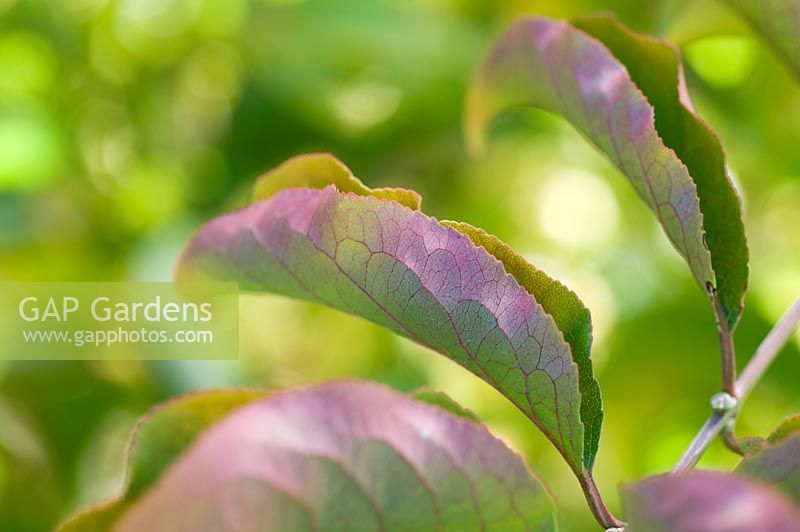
{"x": 730, "y": 440}
{"x": 599, "y": 509}
{"x": 726, "y": 347}
{"x": 728, "y": 362}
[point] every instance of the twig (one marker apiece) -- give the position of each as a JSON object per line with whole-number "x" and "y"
{"x": 766, "y": 352}
{"x": 723, "y": 417}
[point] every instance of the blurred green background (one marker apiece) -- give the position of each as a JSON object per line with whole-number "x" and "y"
{"x": 124, "y": 124}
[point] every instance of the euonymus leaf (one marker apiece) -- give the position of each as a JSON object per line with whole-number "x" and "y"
{"x": 170, "y": 428}
{"x": 626, "y": 94}
{"x": 571, "y": 316}
{"x": 343, "y": 456}
{"x": 318, "y": 170}
{"x": 445, "y": 402}
{"x": 779, "y": 23}
{"x": 158, "y": 439}
{"x": 706, "y": 501}
{"x": 401, "y": 269}
{"x": 777, "y": 462}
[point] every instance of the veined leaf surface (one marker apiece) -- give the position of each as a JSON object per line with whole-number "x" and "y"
{"x": 399, "y": 268}
{"x": 626, "y": 94}
{"x": 571, "y": 316}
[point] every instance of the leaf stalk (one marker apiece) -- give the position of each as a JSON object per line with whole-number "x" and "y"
{"x": 599, "y": 509}
{"x": 726, "y": 346}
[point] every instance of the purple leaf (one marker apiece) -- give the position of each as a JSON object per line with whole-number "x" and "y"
{"x": 401, "y": 269}
{"x": 705, "y": 501}
{"x": 343, "y": 456}
{"x": 572, "y": 319}
{"x": 626, "y": 94}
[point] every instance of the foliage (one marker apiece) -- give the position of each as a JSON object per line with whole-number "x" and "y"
{"x": 705, "y": 500}
{"x": 314, "y": 232}
{"x": 611, "y": 88}
{"x": 777, "y": 462}
{"x": 342, "y": 456}
{"x": 405, "y": 271}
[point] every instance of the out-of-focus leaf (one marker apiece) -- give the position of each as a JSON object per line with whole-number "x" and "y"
{"x": 99, "y": 518}
{"x": 777, "y": 462}
{"x": 445, "y": 402}
{"x": 401, "y": 269}
{"x": 170, "y": 428}
{"x": 778, "y": 21}
{"x": 709, "y": 502}
{"x": 626, "y": 94}
{"x": 158, "y": 439}
{"x": 343, "y": 456}
{"x": 571, "y": 316}
{"x": 788, "y": 427}
{"x": 750, "y": 444}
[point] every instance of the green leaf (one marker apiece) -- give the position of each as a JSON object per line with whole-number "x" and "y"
{"x": 99, "y": 518}
{"x": 788, "y": 426}
{"x": 342, "y": 456}
{"x": 778, "y": 21}
{"x": 445, "y": 402}
{"x": 382, "y": 261}
{"x": 626, "y": 94}
{"x": 318, "y": 170}
{"x": 158, "y": 439}
{"x": 571, "y": 316}
{"x": 169, "y": 429}
{"x": 777, "y": 461}
{"x": 706, "y": 501}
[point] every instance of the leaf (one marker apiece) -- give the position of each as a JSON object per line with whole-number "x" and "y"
{"x": 318, "y": 170}
{"x": 788, "y": 427}
{"x": 401, "y": 269}
{"x": 572, "y": 319}
{"x": 778, "y": 21}
{"x": 627, "y": 96}
{"x": 98, "y": 518}
{"x": 445, "y": 402}
{"x": 777, "y": 462}
{"x": 169, "y": 429}
{"x": 343, "y": 456}
{"x": 158, "y": 439}
{"x": 706, "y": 501}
